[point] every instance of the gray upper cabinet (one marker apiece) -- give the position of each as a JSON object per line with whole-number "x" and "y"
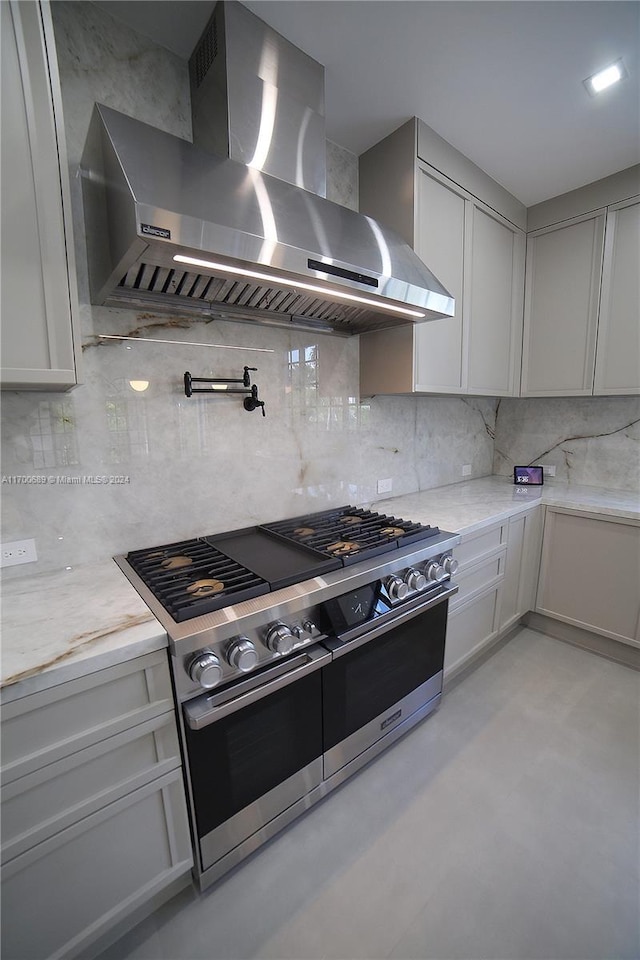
{"x": 438, "y": 351}
{"x": 582, "y": 297}
{"x": 493, "y": 332}
{"x": 38, "y": 297}
{"x": 469, "y": 231}
{"x": 561, "y": 307}
{"x": 618, "y": 354}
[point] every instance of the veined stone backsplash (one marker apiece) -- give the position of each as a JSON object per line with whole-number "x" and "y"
{"x": 176, "y": 467}
{"x": 590, "y": 440}
{"x": 119, "y": 467}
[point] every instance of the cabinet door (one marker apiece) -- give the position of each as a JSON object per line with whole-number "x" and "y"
{"x": 37, "y": 332}
{"x": 471, "y": 627}
{"x": 493, "y": 323}
{"x": 590, "y": 573}
{"x": 441, "y": 230}
{"x": 521, "y": 568}
{"x": 618, "y": 349}
{"x": 561, "y": 307}
{"x": 65, "y": 893}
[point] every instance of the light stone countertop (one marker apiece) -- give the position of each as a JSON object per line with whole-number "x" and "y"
{"x": 64, "y": 624}
{"x": 60, "y": 625}
{"x": 473, "y": 504}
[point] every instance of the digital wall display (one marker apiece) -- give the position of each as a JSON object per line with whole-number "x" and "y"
{"x": 528, "y": 476}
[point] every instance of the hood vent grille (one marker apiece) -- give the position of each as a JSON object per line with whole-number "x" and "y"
{"x": 204, "y": 54}
{"x": 144, "y": 282}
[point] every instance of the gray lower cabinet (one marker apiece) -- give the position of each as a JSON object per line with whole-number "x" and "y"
{"x": 522, "y": 564}
{"x": 590, "y": 573}
{"x": 497, "y": 577}
{"x": 94, "y": 824}
{"x": 475, "y": 610}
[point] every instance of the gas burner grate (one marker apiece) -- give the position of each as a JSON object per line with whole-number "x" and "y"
{"x": 349, "y": 533}
{"x": 191, "y": 578}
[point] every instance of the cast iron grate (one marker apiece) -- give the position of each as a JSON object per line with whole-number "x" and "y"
{"x": 349, "y": 533}
{"x": 191, "y": 578}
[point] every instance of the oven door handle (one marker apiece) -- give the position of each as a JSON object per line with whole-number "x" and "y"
{"x": 347, "y": 642}
{"x": 199, "y": 715}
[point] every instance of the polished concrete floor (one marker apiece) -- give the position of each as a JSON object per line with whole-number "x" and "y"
{"x": 504, "y": 826}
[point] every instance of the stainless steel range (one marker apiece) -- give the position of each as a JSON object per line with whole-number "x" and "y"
{"x": 299, "y": 649}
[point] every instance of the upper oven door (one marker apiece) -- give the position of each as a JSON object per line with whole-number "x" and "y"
{"x": 374, "y": 684}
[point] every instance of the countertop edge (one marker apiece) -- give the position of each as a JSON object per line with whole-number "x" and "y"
{"x": 486, "y": 500}
{"x": 130, "y": 646}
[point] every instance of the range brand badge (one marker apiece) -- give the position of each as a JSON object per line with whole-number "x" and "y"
{"x": 152, "y": 231}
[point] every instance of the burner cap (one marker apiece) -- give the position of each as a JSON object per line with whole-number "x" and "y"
{"x": 304, "y": 531}
{"x": 172, "y": 563}
{"x": 204, "y": 588}
{"x": 392, "y": 531}
{"x": 343, "y": 546}
{"x": 350, "y": 519}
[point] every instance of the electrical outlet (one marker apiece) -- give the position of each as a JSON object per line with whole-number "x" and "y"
{"x": 466, "y": 469}
{"x": 385, "y": 486}
{"x": 549, "y": 471}
{"x": 18, "y": 551}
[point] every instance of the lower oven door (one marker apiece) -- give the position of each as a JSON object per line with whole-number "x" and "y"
{"x": 253, "y": 751}
{"x": 380, "y": 684}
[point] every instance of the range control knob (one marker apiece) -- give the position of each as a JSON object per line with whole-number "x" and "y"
{"x": 242, "y": 655}
{"x": 435, "y": 572}
{"x": 415, "y": 580}
{"x": 206, "y": 670}
{"x": 280, "y": 638}
{"x": 397, "y": 588}
{"x": 449, "y": 565}
{"x": 310, "y": 627}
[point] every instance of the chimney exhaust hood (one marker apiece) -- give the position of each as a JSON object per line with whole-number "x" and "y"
{"x": 232, "y": 226}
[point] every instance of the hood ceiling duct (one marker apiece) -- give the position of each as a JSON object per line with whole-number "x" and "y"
{"x": 235, "y": 225}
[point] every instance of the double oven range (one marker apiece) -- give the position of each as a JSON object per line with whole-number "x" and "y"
{"x": 300, "y": 650}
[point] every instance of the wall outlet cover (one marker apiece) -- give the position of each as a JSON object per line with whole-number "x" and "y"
{"x": 466, "y": 470}
{"x": 17, "y": 551}
{"x": 385, "y": 486}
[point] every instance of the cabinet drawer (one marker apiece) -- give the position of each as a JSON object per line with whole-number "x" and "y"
{"x": 65, "y": 892}
{"x": 470, "y": 627}
{"x": 42, "y": 803}
{"x": 477, "y": 578}
{"x": 480, "y": 544}
{"x": 47, "y": 726}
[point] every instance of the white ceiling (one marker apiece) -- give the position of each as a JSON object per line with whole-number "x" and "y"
{"x": 499, "y": 79}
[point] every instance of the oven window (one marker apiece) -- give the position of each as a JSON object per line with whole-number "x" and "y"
{"x": 239, "y": 758}
{"x": 361, "y": 685}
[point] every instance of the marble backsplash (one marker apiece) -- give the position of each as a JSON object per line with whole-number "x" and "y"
{"x": 123, "y": 467}
{"x": 590, "y": 440}
{"x": 125, "y": 460}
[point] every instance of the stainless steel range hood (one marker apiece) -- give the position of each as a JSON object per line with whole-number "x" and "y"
{"x": 172, "y": 226}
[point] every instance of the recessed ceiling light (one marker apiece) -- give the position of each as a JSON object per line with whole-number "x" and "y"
{"x": 605, "y": 78}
